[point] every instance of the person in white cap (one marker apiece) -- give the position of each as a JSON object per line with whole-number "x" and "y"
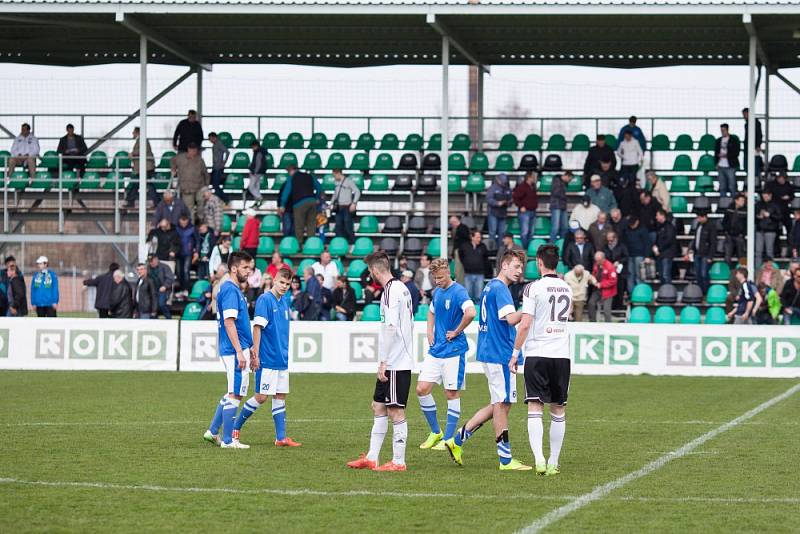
{"x": 44, "y": 289}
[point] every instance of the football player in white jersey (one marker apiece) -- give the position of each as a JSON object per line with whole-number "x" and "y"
{"x": 394, "y": 372}
{"x": 544, "y": 340}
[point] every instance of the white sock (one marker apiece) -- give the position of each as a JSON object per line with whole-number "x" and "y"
{"x": 379, "y": 429}
{"x": 535, "y": 434}
{"x": 399, "y": 442}
{"x": 558, "y": 426}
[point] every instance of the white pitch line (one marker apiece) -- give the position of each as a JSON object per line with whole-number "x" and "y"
{"x": 601, "y": 491}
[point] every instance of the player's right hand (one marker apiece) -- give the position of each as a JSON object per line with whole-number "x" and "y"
{"x": 242, "y": 360}
{"x": 382, "y": 372}
{"x": 512, "y": 364}
{"x": 254, "y": 362}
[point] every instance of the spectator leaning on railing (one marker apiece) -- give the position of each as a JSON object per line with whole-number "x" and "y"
{"x": 44, "y": 289}
{"x": 24, "y": 151}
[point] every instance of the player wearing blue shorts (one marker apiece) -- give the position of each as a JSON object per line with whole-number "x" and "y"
{"x": 450, "y": 313}
{"x": 495, "y": 348}
{"x": 235, "y": 342}
{"x": 270, "y": 358}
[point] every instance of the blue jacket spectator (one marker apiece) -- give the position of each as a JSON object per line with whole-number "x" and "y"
{"x": 636, "y": 132}
{"x": 44, "y": 290}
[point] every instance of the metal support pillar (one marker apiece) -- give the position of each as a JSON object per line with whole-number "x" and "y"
{"x": 445, "y": 127}
{"x": 199, "y": 94}
{"x": 143, "y": 149}
{"x": 751, "y": 162}
{"x": 481, "y": 74}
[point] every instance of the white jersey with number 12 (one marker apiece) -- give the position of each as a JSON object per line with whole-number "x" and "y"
{"x": 549, "y": 301}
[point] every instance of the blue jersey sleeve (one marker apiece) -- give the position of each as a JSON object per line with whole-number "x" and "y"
{"x": 228, "y": 303}
{"x": 461, "y": 297}
{"x": 504, "y": 303}
{"x": 263, "y": 313}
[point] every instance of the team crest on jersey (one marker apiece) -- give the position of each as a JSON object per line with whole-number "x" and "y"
{"x": 447, "y": 304}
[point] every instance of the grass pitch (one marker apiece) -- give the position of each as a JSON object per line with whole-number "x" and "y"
{"x": 122, "y": 452}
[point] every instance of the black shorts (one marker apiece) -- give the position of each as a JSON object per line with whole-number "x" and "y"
{"x": 547, "y": 379}
{"x": 393, "y": 392}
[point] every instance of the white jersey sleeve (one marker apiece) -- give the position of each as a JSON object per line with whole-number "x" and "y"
{"x": 397, "y": 328}
{"x": 549, "y": 301}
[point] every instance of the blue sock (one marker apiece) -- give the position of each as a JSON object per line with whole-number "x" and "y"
{"x": 247, "y": 410}
{"x": 428, "y": 406}
{"x": 453, "y": 413}
{"x": 504, "y": 448}
{"x": 228, "y": 418}
{"x": 462, "y": 434}
{"x": 279, "y": 416}
{"x": 216, "y": 422}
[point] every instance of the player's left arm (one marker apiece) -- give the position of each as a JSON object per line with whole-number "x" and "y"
{"x": 522, "y": 334}
{"x": 255, "y": 363}
{"x": 431, "y": 325}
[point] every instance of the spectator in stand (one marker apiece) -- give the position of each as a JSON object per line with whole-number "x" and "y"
{"x": 187, "y": 253}
{"x": 424, "y": 277}
{"x": 747, "y": 301}
{"x": 407, "y": 277}
{"x": 635, "y": 131}
{"x": 276, "y": 264}
{"x": 250, "y": 233}
{"x": 475, "y": 258}
{"x": 599, "y": 230}
{"x": 192, "y": 177}
{"x": 790, "y": 298}
{"x": 608, "y": 175}
{"x": 212, "y": 212}
{"x": 734, "y": 228}
{"x": 579, "y": 252}
{"x": 770, "y": 309}
{"x": 219, "y": 158}
{"x": 328, "y": 269}
{"x": 770, "y": 275}
{"x": 702, "y": 249}
{"x": 558, "y": 207}
{"x": 617, "y": 254}
{"x": 170, "y": 208}
{"x": 659, "y": 190}
{"x": 326, "y": 302}
{"x": 164, "y": 280}
{"x": 527, "y": 200}
{"x": 639, "y": 247}
{"x": 103, "y": 283}
{"x": 298, "y": 298}
{"x": 165, "y": 242}
{"x": 219, "y": 254}
{"x": 44, "y": 289}
{"x": 782, "y": 194}
{"x": 189, "y": 131}
{"x": 794, "y": 236}
{"x": 459, "y": 235}
{"x": 286, "y": 213}
{"x": 579, "y": 279}
{"x": 314, "y": 290}
{"x": 599, "y": 153}
{"x": 145, "y": 296}
{"x": 631, "y": 154}
{"x": 619, "y": 223}
{"x": 302, "y": 193}
{"x": 343, "y": 203}
{"x": 344, "y": 300}
{"x": 121, "y": 301}
{"x": 768, "y": 222}
{"x": 648, "y": 208}
{"x": 132, "y": 193}
{"x": 372, "y": 289}
{"x": 498, "y": 198}
{"x": 726, "y": 158}
{"x": 73, "y": 149}
{"x": 625, "y": 193}
{"x": 759, "y": 140}
{"x": 585, "y": 213}
{"x": 17, "y": 294}
{"x": 506, "y": 244}
{"x": 605, "y": 275}
{"x": 24, "y": 151}
{"x": 665, "y": 247}
{"x": 258, "y": 168}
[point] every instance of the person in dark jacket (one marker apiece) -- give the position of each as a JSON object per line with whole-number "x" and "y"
{"x": 579, "y": 252}
{"x": 145, "y": 296}
{"x": 205, "y": 240}
{"x": 665, "y": 246}
{"x": 121, "y": 303}
{"x": 102, "y": 295}
{"x": 648, "y": 208}
{"x": 326, "y": 299}
{"x": 187, "y": 253}
{"x": 163, "y": 280}
{"x": 475, "y": 259}
{"x": 617, "y": 253}
{"x": 165, "y": 242}
{"x": 703, "y": 247}
{"x": 638, "y": 243}
{"x": 73, "y": 148}
{"x": 794, "y": 236}
{"x": 759, "y": 140}
{"x": 314, "y": 290}
{"x": 302, "y": 194}
{"x": 286, "y": 213}
{"x": 726, "y": 159}
{"x": 459, "y": 234}
{"x": 790, "y": 298}
{"x": 782, "y": 195}
{"x": 599, "y": 153}
{"x": 17, "y": 295}
{"x": 734, "y": 228}
{"x": 344, "y": 300}
{"x": 258, "y": 168}
{"x": 527, "y": 200}
{"x": 189, "y": 130}
{"x": 559, "y": 218}
{"x": 170, "y": 208}
{"x": 768, "y": 222}
{"x": 498, "y": 198}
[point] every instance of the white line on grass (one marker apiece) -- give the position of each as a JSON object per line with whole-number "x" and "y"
{"x": 601, "y": 491}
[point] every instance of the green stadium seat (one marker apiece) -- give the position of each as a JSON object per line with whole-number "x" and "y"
{"x": 308, "y": 262}
{"x": 342, "y": 141}
{"x": 384, "y": 162}
{"x": 664, "y": 315}
{"x": 192, "y": 312}
{"x": 504, "y": 163}
{"x": 288, "y": 158}
{"x": 534, "y": 245}
{"x": 454, "y": 183}
{"x": 512, "y": 225}
{"x": 435, "y": 142}
{"x": 225, "y": 138}
{"x": 122, "y": 160}
{"x": 683, "y": 163}
{"x": 49, "y": 160}
{"x": 5, "y": 155}
{"x": 166, "y": 160}
{"x": 575, "y": 185}
{"x": 639, "y": 315}
{"x": 19, "y": 180}
{"x": 271, "y": 141}
{"x": 360, "y": 162}
{"x": 679, "y": 204}
{"x": 422, "y": 312}
{"x": 366, "y": 141}
{"x": 580, "y": 143}
{"x": 270, "y": 224}
{"x": 611, "y": 141}
{"x": 338, "y": 247}
{"x": 796, "y": 164}
{"x": 90, "y": 180}
{"x": 270, "y": 161}
{"x": 413, "y": 142}
{"x": 719, "y": 272}
{"x": 162, "y": 181}
{"x": 679, "y": 184}
{"x": 715, "y": 316}
{"x": 280, "y": 179}
{"x": 356, "y": 268}
{"x": 556, "y": 143}
{"x": 241, "y": 160}
{"x": 42, "y": 180}
{"x": 508, "y": 143}
{"x": 199, "y": 288}
{"x": 97, "y": 160}
{"x": 336, "y": 161}
{"x": 390, "y": 141}
{"x": 476, "y": 183}
{"x": 659, "y": 143}
{"x": 358, "y": 179}
{"x": 704, "y": 184}
{"x": 684, "y": 142}
{"x": 707, "y": 143}
{"x": 479, "y": 162}
{"x": 234, "y": 182}
{"x": 435, "y": 247}
{"x": 313, "y": 246}
{"x": 532, "y": 270}
{"x": 690, "y": 315}
{"x": 378, "y": 182}
{"x": 240, "y": 222}
{"x": 456, "y": 162}
{"x": 717, "y": 295}
{"x": 294, "y": 141}
{"x": 706, "y": 163}
{"x": 368, "y": 225}
{"x": 289, "y": 262}
{"x": 358, "y": 291}
{"x": 246, "y": 140}
{"x": 541, "y": 226}
{"x": 226, "y": 223}
{"x": 642, "y": 294}
{"x": 69, "y": 180}
{"x": 461, "y": 142}
{"x": 318, "y": 141}
{"x": 545, "y": 184}
{"x": 113, "y": 181}
{"x": 312, "y": 162}
{"x": 289, "y": 246}
{"x": 262, "y": 265}
{"x": 266, "y": 246}
{"x": 328, "y": 182}
{"x": 372, "y": 313}
{"x": 562, "y": 268}
{"x": 533, "y": 142}
{"x": 236, "y": 244}
{"x": 363, "y": 247}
